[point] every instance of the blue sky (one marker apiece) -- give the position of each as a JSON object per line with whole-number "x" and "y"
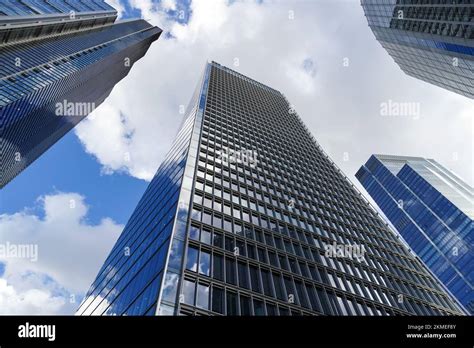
{"x": 66, "y": 167}
{"x": 301, "y": 55}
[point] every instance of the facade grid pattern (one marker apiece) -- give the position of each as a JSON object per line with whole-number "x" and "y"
{"x": 250, "y": 238}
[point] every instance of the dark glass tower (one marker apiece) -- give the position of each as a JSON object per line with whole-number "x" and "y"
{"x": 59, "y": 60}
{"x": 241, "y": 218}
{"x": 431, "y": 40}
{"x": 433, "y": 211}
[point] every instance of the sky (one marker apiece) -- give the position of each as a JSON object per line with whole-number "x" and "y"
{"x": 73, "y": 202}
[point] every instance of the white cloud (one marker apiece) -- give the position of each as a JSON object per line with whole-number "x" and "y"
{"x": 70, "y": 253}
{"x": 341, "y": 105}
{"x": 31, "y": 301}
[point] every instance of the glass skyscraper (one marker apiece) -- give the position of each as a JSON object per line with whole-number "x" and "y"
{"x": 433, "y": 210}
{"x": 59, "y": 60}
{"x": 431, "y": 40}
{"x": 248, "y": 216}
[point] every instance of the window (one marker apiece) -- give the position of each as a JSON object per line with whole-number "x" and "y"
{"x": 313, "y": 298}
{"x": 205, "y": 263}
{"x": 271, "y": 309}
{"x": 206, "y": 236}
{"x": 279, "y": 287}
{"x": 267, "y": 283}
{"x": 240, "y": 248}
{"x": 342, "y": 306}
{"x": 245, "y": 306}
{"x": 243, "y": 275}
{"x": 258, "y": 307}
{"x": 255, "y": 279}
{"x": 251, "y": 251}
{"x": 227, "y": 225}
{"x": 231, "y": 303}
{"x": 202, "y": 296}
{"x": 218, "y": 267}
{"x": 301, "y": 294}
{"x": 262, "y": 256}
{"x": 207, "y": 218}
{"x": 238, "y": 229}
{"x": 290, "y": 290}
{"x": 192, "y": 258}
{"x": 188, "y": 292}
{"x": 217, "y": 221}
{"x": 218, "y": 300}
{"x": 194, "y": 233}
{"x": 273, "y": 258}
{"x": 218, "y": 240}
{"x": 229, "y": 244}
{"x": 230, "y": 272}
{"x": 283, "y": 262}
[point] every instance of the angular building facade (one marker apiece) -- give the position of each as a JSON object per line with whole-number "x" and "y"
{"x": 433, "y": 210}
{"x": 248, "y": 216}
{"x": 59, "y": 60}
{"x": 431, "y": 40}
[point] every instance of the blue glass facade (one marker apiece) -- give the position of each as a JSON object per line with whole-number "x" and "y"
{"x": 433, "y": 211}
{"x": 41, "y": 7}
{"x": 431, "y": 40}
{"x": 64, "y": 67}
{"x": 152, "y": 242}
{"x": 251, "y": 234}
{"x": 49, "y": 17}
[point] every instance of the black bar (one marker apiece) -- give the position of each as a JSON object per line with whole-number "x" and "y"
{"x": 291, "y": 331}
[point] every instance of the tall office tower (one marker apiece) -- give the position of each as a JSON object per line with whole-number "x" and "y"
{"x": 248, "y": 216}
{"x": 433, "y": 210}
{"x": 431, "y": 40}
{"x": 59, "y": 60}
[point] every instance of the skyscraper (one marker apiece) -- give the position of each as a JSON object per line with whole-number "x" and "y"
{"x": 248, "y": 216}
{"x": 431, "y": 40}
{"x": 59, "y": 60}
{"x": 433, "y": 210}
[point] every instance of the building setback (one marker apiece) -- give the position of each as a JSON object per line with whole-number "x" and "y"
{"x": 248, "y": 216}
{"x": 59, "y": 60}
{"x": 431, "y": 40}
{"x": 433, "y": 210}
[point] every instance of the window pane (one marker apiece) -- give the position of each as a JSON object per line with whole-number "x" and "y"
{"x": 205, "y": 263}
{"x": 245, "y": 308}
{"x": 218, "y": 300}
{"x": 230, "y": 272}
{"x": 188, "y": 292}
{"x": 279, "y": 288}
{"x": 258, "y": 307}
{"x": 218, "y": 240}
{"x": 231, "y": 303}
{"x": 191, "y": 261}
{"x": 206, "y": 237}
{"x": 194, "y": 233}
{"x": 255, "y": 279}
{"x": 202, "y": 296}
{"x": 243, "y": 275}
{"x": 218, "y": 267}
{"x": 271, "y": 309}
{"x": 267, "y": 283}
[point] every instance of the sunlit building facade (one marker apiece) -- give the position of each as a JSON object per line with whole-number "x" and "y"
{"x": 431, "y": 40}
{"x": 433, "y": 210}
{"x": 59, "y": 60}
{"x": 248, "y": 216}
